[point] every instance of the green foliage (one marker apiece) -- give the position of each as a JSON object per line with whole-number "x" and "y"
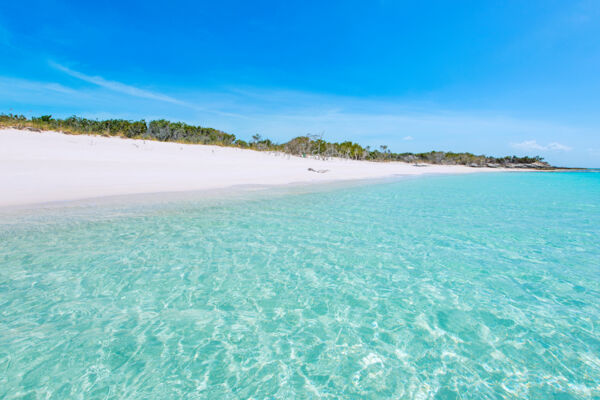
{"x": 309, "y": 145}
{"x": 162, "y": 130}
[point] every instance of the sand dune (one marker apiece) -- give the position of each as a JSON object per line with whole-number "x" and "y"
{"x": 38, "y": 167}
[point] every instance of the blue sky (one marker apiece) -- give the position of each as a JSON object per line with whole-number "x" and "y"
{"x": 495, "y": 77}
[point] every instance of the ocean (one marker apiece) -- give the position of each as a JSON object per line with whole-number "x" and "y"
{"x": 482, "y": 286}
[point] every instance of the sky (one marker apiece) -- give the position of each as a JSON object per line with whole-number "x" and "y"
{"x": 487, "y": 77}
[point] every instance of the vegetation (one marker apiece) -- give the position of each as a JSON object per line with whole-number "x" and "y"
{"x": 309, "y": 145}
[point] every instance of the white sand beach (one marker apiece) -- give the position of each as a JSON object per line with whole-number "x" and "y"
{"x": 39, "y": 167}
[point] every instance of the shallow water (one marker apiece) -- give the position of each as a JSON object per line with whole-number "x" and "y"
{"x": 466, "y": 287}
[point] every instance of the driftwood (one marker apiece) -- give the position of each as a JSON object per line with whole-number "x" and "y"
{"x": 318, "y": 171}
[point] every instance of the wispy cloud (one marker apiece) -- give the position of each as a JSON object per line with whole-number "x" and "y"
{"x": 407, "y": 138}
{"x": 116, "y": 86}
{"x": 130, "y": 90}
{"x": 559, "y": 146}
{"x": 534, "y": 145}
{"x": 24, "y": 84}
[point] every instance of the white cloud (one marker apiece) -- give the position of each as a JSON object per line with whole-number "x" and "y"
{"x": 528, "y": 145}
{"x": 23, "y": 84}
{"x": 116, "y": 86}
{"x": 534, "y": 145}
{"x": 136, "y": 92}
{"x": 559, "y": 147}
{"x": 407, "y": 138}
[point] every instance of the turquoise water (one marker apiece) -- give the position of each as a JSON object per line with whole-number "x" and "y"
{"x": 458, "y": 287}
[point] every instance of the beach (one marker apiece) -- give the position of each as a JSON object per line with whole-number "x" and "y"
{"x": 41, "y": 167}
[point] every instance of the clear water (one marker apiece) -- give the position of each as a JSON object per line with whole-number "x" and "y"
{"x": 462, "y": 287}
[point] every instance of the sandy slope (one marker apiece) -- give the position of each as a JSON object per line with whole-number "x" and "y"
{"x": 51, "y": 166}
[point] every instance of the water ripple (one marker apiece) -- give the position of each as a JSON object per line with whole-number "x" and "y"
{"x": 438, "y": 288}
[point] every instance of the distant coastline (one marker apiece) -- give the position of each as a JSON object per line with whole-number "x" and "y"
{"x": 47, "y": 166}
{"x": 308, "y": 145}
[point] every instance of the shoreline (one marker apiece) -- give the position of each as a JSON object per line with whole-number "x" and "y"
{"x": 241, "y": 192}
{"x": 40, "y": 168}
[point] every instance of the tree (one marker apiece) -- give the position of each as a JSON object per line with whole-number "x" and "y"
{"x": 310, "y": 144}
